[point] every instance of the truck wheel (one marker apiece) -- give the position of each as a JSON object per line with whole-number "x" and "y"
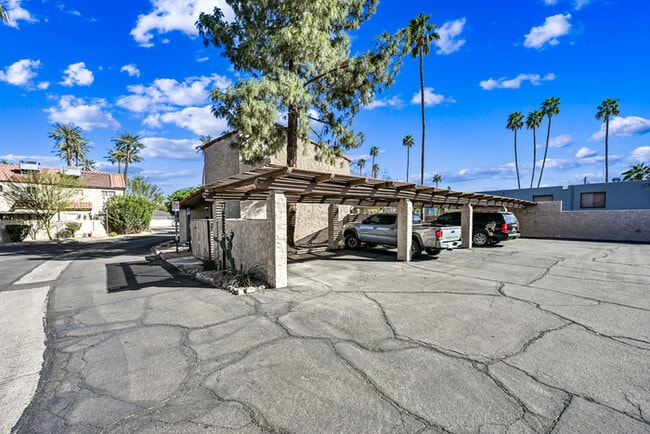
{"x": 416, "y": 249}
{"x": 432, "y": 252}
{"x": 352, "y": 242}
{"x": 480, "y": 238}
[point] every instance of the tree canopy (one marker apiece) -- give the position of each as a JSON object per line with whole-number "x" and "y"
{"x": 637, "y": 172}
{"x": 297, "y": 64}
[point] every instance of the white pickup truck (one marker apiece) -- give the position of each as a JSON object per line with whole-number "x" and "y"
{"x": 381, "y": 229}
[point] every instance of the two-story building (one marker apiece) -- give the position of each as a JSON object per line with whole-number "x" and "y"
{"x": 86, "y": 208}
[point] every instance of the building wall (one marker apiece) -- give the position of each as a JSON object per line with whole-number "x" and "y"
{"x": 548, "y": 220}
{"x": 221, "y": 161}
{"x": 618, "y": 195}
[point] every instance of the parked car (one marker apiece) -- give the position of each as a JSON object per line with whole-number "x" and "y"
{"x": 488, "y": 227}
{"x": 381, "y": 229}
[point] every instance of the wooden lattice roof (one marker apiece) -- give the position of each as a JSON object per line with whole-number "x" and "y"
{"x": 307, "y": 186}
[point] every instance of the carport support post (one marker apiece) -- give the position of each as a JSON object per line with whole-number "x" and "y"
{"x": 466, "y": 219}
{"x": 333, "y": 227}
{"x": 276, "y": 215}
{"x": 404, "y": 229}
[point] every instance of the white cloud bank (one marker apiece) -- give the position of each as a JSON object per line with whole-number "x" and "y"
{"x": 178, "y": 149}
{"x": 548, "y": 33}
{"x": 77, "y": 74}
{"x": 20, "y": 73}
{"x": 87, "y": 115}
{"x": 395, "y": 102}
{"x": 448, "y": 42}
{"x": 515, "y": 83}
{"x": 430, "y": 98}
{"x": 170, "y": 15}
{"x": 131, "y": 69}
{"x": 199, "y": 120}
{"x": 17, "y": 13}
{"x": 623, "y": 126}
{"x": 640, "y": 155}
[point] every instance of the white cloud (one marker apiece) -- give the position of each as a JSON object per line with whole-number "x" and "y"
{"x": 131, "y": 69}
{"x": 640, "y": 155}
{"x": 170, "y": 15}
{"x": 178, "y": 149}
{"x": 20, "y": 73}
{"x": 199, "y": 120}
{"x": 77, "y": 74}
{"x": 585, "y": 152}
{"x": 448, "y": 43}
{"x": 43, "y": 85}
{"x": 515, "y": 83}
{"x": 17, "y": 13}
{"x": 560, "y": 141}
{"x": 396, "y": 102}
{"x": 623, "y": 126}
{"x": 88, "y": 116}
{"x": 430, "y": 98}
{"x": 165, "y": 93}
{"x": 554, "y": 27}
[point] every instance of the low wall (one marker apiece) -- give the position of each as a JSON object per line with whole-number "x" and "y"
{"x": 89, "y": 228}
{"x": 250, "y": 244}
{"x": 547, "y": 220}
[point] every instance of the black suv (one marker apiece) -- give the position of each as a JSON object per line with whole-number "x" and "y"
{"x": 489, "y": 227}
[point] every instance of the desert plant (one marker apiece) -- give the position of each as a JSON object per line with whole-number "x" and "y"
{"x": 17, "y": 232}
{"x": 225, "y": 241}
{"x": 211, "y": 265}
{"x": 247, "y": 277}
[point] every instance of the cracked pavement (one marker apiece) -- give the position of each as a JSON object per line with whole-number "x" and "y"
{"x": 528, "y": 336}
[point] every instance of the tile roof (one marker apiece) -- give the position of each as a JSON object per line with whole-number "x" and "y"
{"x": 12, "y": 173}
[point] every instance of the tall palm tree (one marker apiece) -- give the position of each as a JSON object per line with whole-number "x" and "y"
{"x": 374, "y": 151}
{"x": 550, "y": 108}
{"x": 421, "y": 34}
{"x": 408, "y": 141}
{"x": 361, "y": 164}
{"x": 375, "y": 169}
{"x": 637, "y": 172}
{"x": 437, "y": 178}
{"x": 130, "y": 147}
{"x": 4, "y": 16}
{"x": 116, "y": 156}
{"x": 69, "y": 142}
{"x": 606, "y": 109}
{"x": 515, "y": 122}
{"x": 533, "y": 121}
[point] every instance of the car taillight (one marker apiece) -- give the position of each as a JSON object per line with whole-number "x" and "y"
{"x": 439, "y": 234}
{"x": 504, "y": 228}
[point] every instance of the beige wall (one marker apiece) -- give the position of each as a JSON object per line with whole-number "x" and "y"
{"x": 547, "y": 220}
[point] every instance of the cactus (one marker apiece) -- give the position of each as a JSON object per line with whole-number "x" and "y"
{"x": 225, "y": 241}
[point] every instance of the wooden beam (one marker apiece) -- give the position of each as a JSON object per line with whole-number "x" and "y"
{"x": 356, "y": 181}
{"x": 387, "y": 184}
{"x": 323, "y": 178}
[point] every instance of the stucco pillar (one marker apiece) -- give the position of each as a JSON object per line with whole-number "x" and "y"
{"x": 334, "y": 227}
{"x": 404, "y": 229}
{"x": 276, "y": 215}
{"x": 466, "y": 225}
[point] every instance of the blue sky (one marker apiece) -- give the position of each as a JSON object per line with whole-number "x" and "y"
{"x": 139, "y": 66}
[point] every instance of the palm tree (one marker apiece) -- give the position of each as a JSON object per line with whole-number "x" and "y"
{"x": 374, "y": 151}
{"x": 361, "y": 164}
{"x": 515, "y": 122}
{"x": 116, "y": 156}
{"x": 375, "y": 169}
{"x": 69, "y": 142}
{"x": 408, "y": 142}
{"x": 130, "y": 147}
{"x": 437, "y": 178}
{"x": 4, "y": 15}
{"x": 421, "y": 34}
{"x": 637, "y": 172}
{"x": 533, "y": 121}
{"x": 606, "y": 109}
{"x": 550, "y": 108}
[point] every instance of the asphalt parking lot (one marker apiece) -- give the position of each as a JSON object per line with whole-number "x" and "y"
{"x": 527, "y": 336}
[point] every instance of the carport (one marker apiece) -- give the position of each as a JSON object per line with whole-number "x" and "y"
{"x": 279, "y": 185}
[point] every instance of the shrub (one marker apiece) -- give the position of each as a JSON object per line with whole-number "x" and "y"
{"x": 211, "y": 265}
{"x": 249, "y": 277}
{"x": 73, "y": 227}
{"x": 128, "y": 214}
{"x": 17, "y": 233}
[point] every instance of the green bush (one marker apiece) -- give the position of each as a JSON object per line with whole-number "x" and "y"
{"x": 17, "y": 233}
{"x": 73, "y": 227}
{"x": 128, "y": 214}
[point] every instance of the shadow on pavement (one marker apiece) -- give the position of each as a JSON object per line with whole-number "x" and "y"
{"x": 133, "y": 276}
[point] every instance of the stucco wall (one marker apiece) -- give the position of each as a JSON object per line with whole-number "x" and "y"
{"x": 547, "y": 220}
{"x": 250, "y": 242}
{"x": 89, "y": 228}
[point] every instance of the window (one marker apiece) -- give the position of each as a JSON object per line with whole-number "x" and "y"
{"x": 543, "y": 198}
{"x": 106, "y": 194}
{"x": 592, "y": 200}
{"x": 79, "y": 192}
